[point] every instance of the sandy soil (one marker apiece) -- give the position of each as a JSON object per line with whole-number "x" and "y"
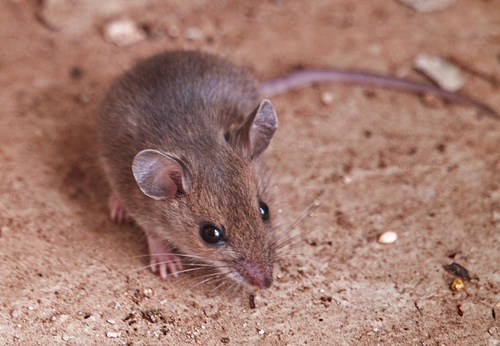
{"x": 384, "y": 160}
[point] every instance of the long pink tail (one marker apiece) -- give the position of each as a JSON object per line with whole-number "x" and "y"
{"x": 304, "y": 78}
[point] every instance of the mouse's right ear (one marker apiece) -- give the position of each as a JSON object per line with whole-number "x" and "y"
{"x": 254, "y": 136}
{"x": 160, "y": 176}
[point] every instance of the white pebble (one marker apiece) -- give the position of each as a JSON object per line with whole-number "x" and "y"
{"x": 193, "y": 34}
{"x": 388, "y": 237}
{"x": 261, "y": 332}
{"x": 113, "y": 334}
{"x": 446, "y": 75}
{"x": 426, "y": 6}
{"x": 111, "y": 321}
{"x": 327, "y": 98}
{"x": 148, "y": 292}
{"x": 123, "y": 32}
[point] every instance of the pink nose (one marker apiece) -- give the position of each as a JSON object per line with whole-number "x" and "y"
{"x": 260, "y": 276}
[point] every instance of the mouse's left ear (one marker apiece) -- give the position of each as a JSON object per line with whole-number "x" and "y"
{"x": 257, "y": 131}
{"x": 160, "y": 176}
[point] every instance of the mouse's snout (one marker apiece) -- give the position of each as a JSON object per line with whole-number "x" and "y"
{"x": 257, "y": 274}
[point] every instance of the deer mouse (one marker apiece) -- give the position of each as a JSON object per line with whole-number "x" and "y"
{"x": 181, "y": 138}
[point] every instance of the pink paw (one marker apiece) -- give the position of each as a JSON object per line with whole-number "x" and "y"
{"x": 117, "y": 211}
{"x": 162, "y": 260}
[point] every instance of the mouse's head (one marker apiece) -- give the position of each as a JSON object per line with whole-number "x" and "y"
{"x": 222, "y": 216}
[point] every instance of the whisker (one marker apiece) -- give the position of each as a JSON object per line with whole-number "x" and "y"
{"x": 232, "y": 285}
{"x": 219, "y": 285}
{"x": 264, "y": 188}
{"x": 210, "y": 278}
{"x": 313, "y": 205}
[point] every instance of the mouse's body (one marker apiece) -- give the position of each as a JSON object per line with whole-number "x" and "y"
{"x": 181, "y": 137}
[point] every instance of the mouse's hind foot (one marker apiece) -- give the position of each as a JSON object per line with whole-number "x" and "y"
{"x": 161, "y": 258}
{"x": 117, "y": 211}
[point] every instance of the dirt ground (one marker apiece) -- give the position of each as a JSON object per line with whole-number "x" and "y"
{"x": 384, "y": 160}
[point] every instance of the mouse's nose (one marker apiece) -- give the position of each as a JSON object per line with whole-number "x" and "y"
{"x": 260, "y": 275}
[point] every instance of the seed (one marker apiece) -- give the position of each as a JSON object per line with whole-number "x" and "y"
{"x": 388, "y": 237}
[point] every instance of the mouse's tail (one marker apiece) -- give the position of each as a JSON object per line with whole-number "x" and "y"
{"x": 305, "y": 78}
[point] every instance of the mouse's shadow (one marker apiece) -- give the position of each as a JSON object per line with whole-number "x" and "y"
{"x": 71, "y": 156}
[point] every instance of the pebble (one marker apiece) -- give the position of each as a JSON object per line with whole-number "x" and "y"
{"x": 148, "y": 292}
{"x": 123, "y": 32}
{"x": 113, "y": 334}
{"x": 174, "y": 31}
{"x": 388, "y": 237}
{"x": 327, "y": 98}
{"x": 445, "y": 74}
{"x": 426, "y": 6}
{"x": 193, "y": 34}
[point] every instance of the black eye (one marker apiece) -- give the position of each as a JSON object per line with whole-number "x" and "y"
{"x": 264, "y": 211}
{"x": 211, "y": 234}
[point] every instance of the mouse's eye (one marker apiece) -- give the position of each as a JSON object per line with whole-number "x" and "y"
{"x": 264, "y": 211}
{"x": 212, "y": 234}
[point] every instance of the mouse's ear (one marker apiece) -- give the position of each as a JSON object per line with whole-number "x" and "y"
{"x": 160, "y": 176}
{"x": 258, "y": 130}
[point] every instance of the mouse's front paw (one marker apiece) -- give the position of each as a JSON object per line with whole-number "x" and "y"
{"x": 161, "y": 258}
{"x": 117, "y": 211}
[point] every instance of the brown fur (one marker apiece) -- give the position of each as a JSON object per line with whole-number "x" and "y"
{"x": 192, "y": 106}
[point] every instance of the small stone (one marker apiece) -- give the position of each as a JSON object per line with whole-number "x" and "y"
{"x": 388, "y": 237}
{"x": 193, "y": 34}
{"x": 261, "y": 332}
{"x": 445, "y": 74}
{"x": 67, "y": 338}
{"x": 123, "y": 32}
{"x": 113, "y": 334}
{"x": 148, "y": 292}
{"x": 54, "y": 14}
{"x": 174, "y": 31}
{"x": 496, "y": 216}
{"x": 426, "y": 6}
{"x": 15, "y": 313}
{"x": 327, "y": 98}
{"x": 111, "y": 321}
